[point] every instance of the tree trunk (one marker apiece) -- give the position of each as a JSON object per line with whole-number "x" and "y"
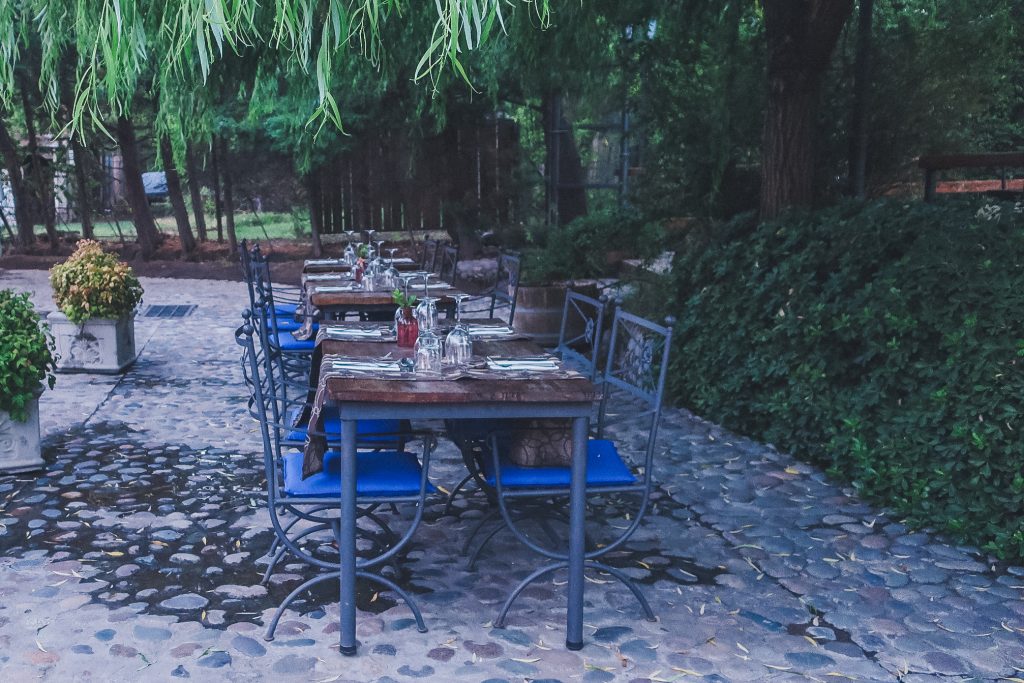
{"x": 22, "y": 208}
{"x": 195, "y": 191}
{"x": 82, "y": 187}
{"x": 229, "y": 201}
{"x": 859, "y": 112}
{"x": 218, "y": 205}
{"x": 316, "y": 211}
{"x": 42, "y": 188}
{"x": 567, "y": 196}
{"x": 83, "y": 204}
{"x": 801, "y": 35}
{"x": 188, "y": 242}
{"x": 145, "y": 227}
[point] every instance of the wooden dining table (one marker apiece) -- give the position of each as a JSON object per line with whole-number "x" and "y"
{"x": 334, "y": 300}
{"x": 327, "y": 265}
{"x": 421, "y": 397}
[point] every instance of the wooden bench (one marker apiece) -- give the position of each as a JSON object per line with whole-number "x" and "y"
{"x": 933, "y": 163}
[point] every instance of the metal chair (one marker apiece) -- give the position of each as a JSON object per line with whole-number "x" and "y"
{"x": 383, "y": 477}
{"x": 633, "y": 384}
{"x": 581, "y": 313}
{"x": 448, "y": 268}
{"x": 506, "y": 285}
{"x": 579, "y": 338}
{"x": 429, "y": 257}
{"x": 255, "y": 267}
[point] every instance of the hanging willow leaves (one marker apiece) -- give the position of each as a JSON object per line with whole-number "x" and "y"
{"x": 116, "y": 41}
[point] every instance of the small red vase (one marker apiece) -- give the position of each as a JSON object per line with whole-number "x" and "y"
{"x": 408, "y": 329}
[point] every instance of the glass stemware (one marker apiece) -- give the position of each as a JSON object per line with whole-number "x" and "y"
{"x": 458, "y": 345}
{"x": 349, "y": 255}
{"x": 427, "y": 352}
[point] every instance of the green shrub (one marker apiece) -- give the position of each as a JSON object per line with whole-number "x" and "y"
{"x": 580, "y": 249}
{"x": 94, "y": 284}
{"x": 26, "y": 357}
{"x": 884, "y": 341}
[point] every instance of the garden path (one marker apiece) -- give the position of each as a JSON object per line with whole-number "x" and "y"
{"x": 135, "y": 556}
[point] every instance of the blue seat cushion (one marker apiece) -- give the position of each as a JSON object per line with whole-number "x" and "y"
{"x": 289, "y": 324}
{"x": 365, "y": 429}
{"x": 286, "y": 342}
{"x": 604, "y": 468}
{"x": 285, "y": 309}
{"x": 380, "y": 473}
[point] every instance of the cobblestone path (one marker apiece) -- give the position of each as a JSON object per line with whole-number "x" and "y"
{"x": 136, "y": 556}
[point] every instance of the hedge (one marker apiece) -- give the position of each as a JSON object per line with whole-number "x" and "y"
{"x": 881, "y": 340}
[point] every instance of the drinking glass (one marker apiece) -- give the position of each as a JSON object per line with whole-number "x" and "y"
{"x": 349, "y": 255}
{"x": 427, "y": 352}
{"x": 426, "y": 313}
{"x": 458, "y": 345}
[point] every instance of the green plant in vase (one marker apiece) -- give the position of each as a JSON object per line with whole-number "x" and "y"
{"x": 406, "y": 327}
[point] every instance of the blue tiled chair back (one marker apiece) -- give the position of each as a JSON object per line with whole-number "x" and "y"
{"x": 634, "y": 376}
{"x": 448, "y": 268}
{"x": 579, "y": 339}
{"x": 506, "y": 285}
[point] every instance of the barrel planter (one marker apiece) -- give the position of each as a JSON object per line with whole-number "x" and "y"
{"x": 539, "y": 309}
{"x": 19, "y": 441}
{"x": 99, "y": 345}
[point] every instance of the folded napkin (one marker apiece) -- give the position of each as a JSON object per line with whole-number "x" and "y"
{"x": 320, "y": 277}
{"x": 490, "y": 330}
{"x": 324, "y": 262}
{"x": 537, "y": 364}
{"x": 354, "y": 332}
{"x": 376, "y": 367}
{"x": 440, "y": 285}
{"x": 345, "y": 288}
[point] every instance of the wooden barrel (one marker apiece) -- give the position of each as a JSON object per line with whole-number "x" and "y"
{"x": 539, "y": 309}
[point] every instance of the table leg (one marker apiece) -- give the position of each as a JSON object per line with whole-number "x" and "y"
{"x": 577, "y": 532}
{"x": 347, "y": 537}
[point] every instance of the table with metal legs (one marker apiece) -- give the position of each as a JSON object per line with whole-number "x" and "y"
{"x": 575, "y": 403}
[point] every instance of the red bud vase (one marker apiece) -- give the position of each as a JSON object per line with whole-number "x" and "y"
{"x": 408, "y": 328}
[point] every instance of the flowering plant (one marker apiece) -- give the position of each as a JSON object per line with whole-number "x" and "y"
{"x": 26, "y": 353}
{"x": 94, "y": 284}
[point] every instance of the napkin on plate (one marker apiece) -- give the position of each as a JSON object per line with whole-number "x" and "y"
{"x": 346, "y": 288}
{"x": 353, "y": 332}
{"x": 378, "y": 367}
{"x": 539, "y": 364}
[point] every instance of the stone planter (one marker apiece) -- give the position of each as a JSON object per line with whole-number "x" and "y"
{"x": 539, "y": 309}
{"x": 100, "y": 345}
{"x": 19, "y": 441}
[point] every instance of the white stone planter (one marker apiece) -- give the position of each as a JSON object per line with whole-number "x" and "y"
{"x": 100, "y": 345}
{"x": 19, "y": 441}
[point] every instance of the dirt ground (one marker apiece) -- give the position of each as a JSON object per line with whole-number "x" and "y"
{"x": 212, "y": 261}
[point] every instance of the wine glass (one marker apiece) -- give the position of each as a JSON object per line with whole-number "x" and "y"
{"x": 426, "y": 313}
{"x": 349, "y": 255}
{"x": 458, "y": 345}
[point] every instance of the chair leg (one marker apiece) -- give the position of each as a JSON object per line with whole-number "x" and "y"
{"x": 272, "y": 626}
{"x": 273, "y": 563}
{"x": 392, "y": 586}
{"x": 476, "y": 529}
{"x": 471, "y": 564}
{"x": 455, "y": 491}
{"x": 547, "y": 569}
{"x": 625, "y": 580}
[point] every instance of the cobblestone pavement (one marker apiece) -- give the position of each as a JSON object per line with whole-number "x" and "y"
{"x": 136, "y": 555}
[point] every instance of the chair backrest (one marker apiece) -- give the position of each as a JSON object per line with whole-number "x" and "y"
{"x": 634, "y": 375}
{"x": 262, "y": 405}
{"x": 429, "y": 255}
{"x": 448, "y": 268}
{"x": 506, "y": 285}
{"x": 579, "y": 339}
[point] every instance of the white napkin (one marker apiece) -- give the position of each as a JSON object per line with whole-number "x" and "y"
{"x": 341, "y": 332}
{"x": 539, "y": 365}
{"x": 324, "y": 262}
{"x": 346, "y": 288}
{"x": 320, "y": 277}
{"x": 376, "y": 367}
{"x": 490, "y": 330}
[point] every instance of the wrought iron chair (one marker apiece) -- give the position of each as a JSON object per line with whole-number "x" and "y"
{"x": 579, "y": 338}
{"x": 256, "y": 266}
{"x": 383, "y": 477}
{"x": 581, "y": 351}
{"x": 506, "y": 285}
{"x": 633, "y": 384}
{"x": 448, "y": 268}
{"x": 429, "y": 256}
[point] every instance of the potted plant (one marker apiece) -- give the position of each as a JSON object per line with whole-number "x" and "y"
{"x": 406, "y": 327}
{"x": 26, "y": 362}
{"x": 97, "y": 295}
